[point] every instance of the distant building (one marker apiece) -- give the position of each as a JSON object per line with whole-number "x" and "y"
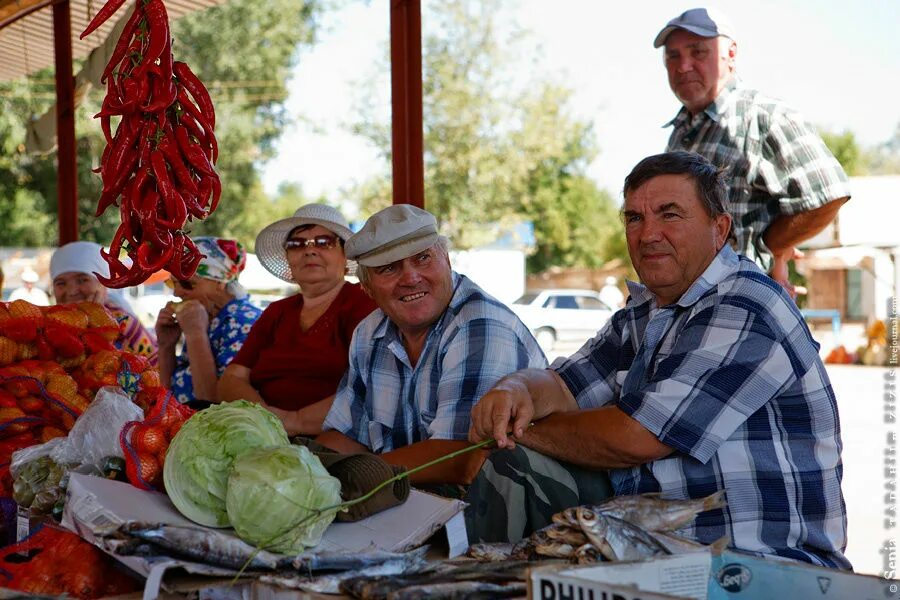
{"x": 853, "y": 266}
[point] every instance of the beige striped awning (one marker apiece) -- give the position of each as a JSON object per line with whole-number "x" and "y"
{"x": 26, "y": 43}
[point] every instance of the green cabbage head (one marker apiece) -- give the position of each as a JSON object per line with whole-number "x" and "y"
{"x": 270, "y": 491}
{"x": 201, "y": 455}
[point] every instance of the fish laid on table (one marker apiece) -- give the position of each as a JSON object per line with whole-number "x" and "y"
{"x": 410, "y": 562}
{"x": 677, "y": 544}
{"x": 380, "y": 588}
{"x": 587, "y": 554}
{"x": 490, "y": 551}
{"x": 567, "y": 535}
{"x": 202, "y": 545}
{"x": 554, "y": 540}
{"x": 616, "y": 538}
{"x": 649, "y": 511}
{"x": 555, "y": 549}
{"x": 343, "y": 561}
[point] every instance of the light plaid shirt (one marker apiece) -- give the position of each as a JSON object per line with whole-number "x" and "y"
{"x": 731, "y": 378}
{"x": 778, "y": 164}
{"x": 385, "y": 403}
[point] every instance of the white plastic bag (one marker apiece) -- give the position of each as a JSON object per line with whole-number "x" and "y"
{"x": 95, "y": 434}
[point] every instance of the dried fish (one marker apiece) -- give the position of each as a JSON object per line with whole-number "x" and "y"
{"x": 647, "y": 511}
{"x": 202, "y": 545}
{"x": 523, "y": 550}
{"x": 587, "y": 554}
{"x": 343, "y": 561}
{"x": 565, "y": 534}
{"x": 460, "y": 590}
{"x": 567, "y": 517}
{"x": 616, "y": 538}
{"x": 411, "y": 562}
{"x": 491, "y": 552}
{"x": 555, "y": 550}
{"x": 652, "y": 513}
{"x": 379, "y": 588}
{"x": 677, "y": 544}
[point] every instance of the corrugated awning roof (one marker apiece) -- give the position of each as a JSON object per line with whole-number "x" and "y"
{"x": 26, "y": 42}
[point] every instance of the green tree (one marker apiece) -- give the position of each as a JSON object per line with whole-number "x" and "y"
{"x": 244, "y": 50}
{"x": 845, "y": 150}
{"x": 22, "y": 207}
{"x": 497, "y": 150}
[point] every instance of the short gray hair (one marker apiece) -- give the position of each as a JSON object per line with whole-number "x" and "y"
{"x": 362, "y": 271}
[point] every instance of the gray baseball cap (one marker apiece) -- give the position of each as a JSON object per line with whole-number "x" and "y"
{"x": 392, "y": 234}
{"x": 705, "y": 22}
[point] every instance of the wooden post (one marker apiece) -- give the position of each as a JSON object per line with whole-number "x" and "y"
{"x": 67, "y": 159}
{"x": 406, "y": 102}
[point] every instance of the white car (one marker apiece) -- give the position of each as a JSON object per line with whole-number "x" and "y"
{"x": 562, "y": 315}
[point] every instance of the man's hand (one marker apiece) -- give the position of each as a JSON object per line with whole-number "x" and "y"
{"x": 506, "y": 409}
{"x": 780, "y": 271}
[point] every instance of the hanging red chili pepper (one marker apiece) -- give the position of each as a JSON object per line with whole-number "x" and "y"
{"x": 157, "y": 167}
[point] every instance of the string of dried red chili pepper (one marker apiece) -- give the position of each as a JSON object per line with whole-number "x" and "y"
{"x": 157, "y": 167}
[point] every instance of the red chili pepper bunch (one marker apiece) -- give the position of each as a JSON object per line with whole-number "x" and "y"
{"x": 158, "y": 166}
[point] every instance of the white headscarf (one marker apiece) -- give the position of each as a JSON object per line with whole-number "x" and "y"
{"x": 84, "y": 257}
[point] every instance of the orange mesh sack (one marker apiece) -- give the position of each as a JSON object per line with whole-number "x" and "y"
{"x": 145, "y": 442}
{"x": 53, "y": 561}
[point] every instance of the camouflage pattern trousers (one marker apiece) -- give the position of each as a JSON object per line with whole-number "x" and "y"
{"x": 518, "y": 491}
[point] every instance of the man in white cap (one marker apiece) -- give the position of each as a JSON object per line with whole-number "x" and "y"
{"x": 420, "y": 362}
{"x": 28, "y": 291}
{"x": 785, "y": 186}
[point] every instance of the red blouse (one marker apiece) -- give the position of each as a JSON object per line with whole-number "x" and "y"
{"x": 291, "y": 368}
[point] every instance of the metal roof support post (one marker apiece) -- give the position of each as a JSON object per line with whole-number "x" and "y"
{"x": 66, "y": 155}
{"x": 406, "y": 103}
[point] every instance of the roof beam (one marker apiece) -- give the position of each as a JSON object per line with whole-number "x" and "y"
{"x": 406, "y": 103}
{"x": 66, "y": 154}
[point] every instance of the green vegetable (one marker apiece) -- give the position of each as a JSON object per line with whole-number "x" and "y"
{"x": 200, "y": 456}
{"x": 270, "y": 491}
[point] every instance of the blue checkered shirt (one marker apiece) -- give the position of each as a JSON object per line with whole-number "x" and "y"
{"x": 384, "y": 402}
{"x": 778, "y": 164}
{"x": 731, "y": 379}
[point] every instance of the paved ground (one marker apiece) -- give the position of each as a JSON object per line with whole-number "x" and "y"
{"x": 861, "y": 401}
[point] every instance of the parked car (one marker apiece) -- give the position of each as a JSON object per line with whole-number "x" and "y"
{"x": 562, "y": 315}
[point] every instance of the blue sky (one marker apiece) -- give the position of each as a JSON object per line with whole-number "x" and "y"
{"x": 838, "y": 62}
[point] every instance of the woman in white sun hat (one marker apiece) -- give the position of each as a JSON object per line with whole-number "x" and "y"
{"x": 296, "y": 353}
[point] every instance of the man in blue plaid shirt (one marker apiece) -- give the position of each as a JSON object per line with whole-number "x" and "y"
{"x": 784, "y": 185}
{"x": 707, "y": 380}
{"x": 419, "y": 363}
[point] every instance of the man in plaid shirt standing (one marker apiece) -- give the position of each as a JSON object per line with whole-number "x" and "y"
{"x": 784, "y": 185}
{"x": 707, "y": 380}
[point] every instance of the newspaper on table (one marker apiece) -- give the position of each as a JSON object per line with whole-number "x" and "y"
{"x": 95, "y": 505}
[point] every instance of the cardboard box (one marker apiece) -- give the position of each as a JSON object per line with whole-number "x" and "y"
{"x": 706, "y": 576}
{"x": 94, "y": 504}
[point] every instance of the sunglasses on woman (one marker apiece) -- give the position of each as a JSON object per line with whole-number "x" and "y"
{"x": 320, "y": 242}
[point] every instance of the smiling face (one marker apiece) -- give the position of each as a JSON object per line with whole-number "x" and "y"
{"x": 671, "y": 237}
{"x": 75, "y": 286}
{"x": 698, "y": 67}
{"x": 312, "y": 265}
{"x": 415, "y": 291}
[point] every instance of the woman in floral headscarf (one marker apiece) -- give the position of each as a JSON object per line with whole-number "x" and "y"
{"x": 214, "y": 317}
